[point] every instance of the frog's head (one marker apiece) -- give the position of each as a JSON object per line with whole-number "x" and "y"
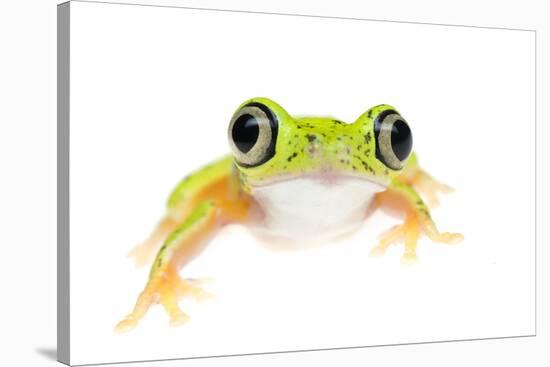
{"x": 271, "y": 146}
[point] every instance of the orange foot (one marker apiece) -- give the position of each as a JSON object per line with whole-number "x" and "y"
{"x": 409, "y": 232}
{"x": 166, "y": 288}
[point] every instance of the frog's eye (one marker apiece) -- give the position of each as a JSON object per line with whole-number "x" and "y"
{"x": 252, "y": 134}
{"x": 393, "y": 139}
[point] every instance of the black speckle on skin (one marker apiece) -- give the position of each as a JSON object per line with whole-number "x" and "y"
{"x": 325, "y": 135}
{"x": 339, "y": 138}
{"x": 368, "y": 137}
{"x": 359, "y": 147}
{"x": 311, "y": 137}
{"x": 342, "y": 161}
{"x": 367, "y": 152}
{"x": 369, "y": 114}
{"x": 338, "y": 122}
{"x": 291, "y": 157}
{"x": 425, "y": 212}
{"x": 299, "y": 127}
{"x": 354, "y": 168}
{"x": 367, "y": 167}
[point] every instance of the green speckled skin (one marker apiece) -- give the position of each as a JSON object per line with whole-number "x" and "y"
{"x": 308, "y": 145}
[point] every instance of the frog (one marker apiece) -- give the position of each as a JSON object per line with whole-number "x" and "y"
{"x": 302, "y": 179}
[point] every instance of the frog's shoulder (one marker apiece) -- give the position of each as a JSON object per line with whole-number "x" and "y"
{"x": 193, "y": 183}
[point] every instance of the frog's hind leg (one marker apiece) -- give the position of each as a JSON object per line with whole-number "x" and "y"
{"x": 423, "y": 182}
{"x": 429, "y": 187}
{"x": 402, "y": 198}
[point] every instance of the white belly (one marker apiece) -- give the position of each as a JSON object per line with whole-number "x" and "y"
{"x": 307, "y": 209}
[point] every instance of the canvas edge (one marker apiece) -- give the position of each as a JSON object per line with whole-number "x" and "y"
{"x": 63, "y": 115}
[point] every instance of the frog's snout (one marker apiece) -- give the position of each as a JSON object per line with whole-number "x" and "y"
{"x": 327, "y": 153}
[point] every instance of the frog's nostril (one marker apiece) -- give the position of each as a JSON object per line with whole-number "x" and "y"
{"x": 311, "y": 137}
{"x": 314, "y": 149}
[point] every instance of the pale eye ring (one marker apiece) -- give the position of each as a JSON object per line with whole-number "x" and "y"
{"x": 252, "y": 134}
{"x": 393, "y": 139}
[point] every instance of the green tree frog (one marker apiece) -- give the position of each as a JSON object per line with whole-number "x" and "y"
{"x": 302, "y": 179}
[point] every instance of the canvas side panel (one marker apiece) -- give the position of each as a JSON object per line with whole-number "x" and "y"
{"x": 63, "y": 266}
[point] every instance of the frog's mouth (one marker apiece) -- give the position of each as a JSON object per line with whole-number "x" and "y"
{"x": 326, "y": 177}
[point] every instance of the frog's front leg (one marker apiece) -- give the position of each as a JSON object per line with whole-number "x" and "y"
{"x": 165, "y": 286}
{"x": 144, "y": 252}
{"x": 403, "y": 199}
{"x": 189, "y": 192}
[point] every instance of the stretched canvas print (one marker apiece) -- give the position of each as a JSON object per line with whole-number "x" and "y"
{"x": 233, "y": 182}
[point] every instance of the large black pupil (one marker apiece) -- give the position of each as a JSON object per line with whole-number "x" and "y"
{"x": 245, "y": 132}
{"x": 401, "y": 139}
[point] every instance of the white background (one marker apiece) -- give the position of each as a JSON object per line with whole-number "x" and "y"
{"x": 149, "y": 104}
{"x": 31, "y": 281}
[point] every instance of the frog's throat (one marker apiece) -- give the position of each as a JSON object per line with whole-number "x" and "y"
{"x": 308, "y": 207}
